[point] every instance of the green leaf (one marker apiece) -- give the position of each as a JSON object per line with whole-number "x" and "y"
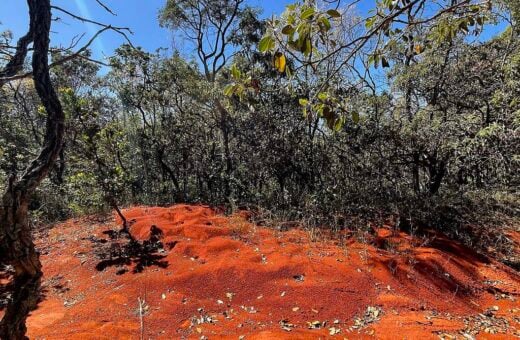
{"x": 235, "y": 72}
{"x": 355, "y": 116}
{"x": 288, "y": 72}
{"x": 333, "y": 13}
{"x": 326, "y": 23}
{"x": 376, "y": 59}
{"x": 291, "y": 19}
{"x": 307, "y": 47}
{"x": 288, "y": 30}
{"x": 229, "y": 90}
{"x": 303, "y": 101}
{"x": 323, "y": 96}
{"x": 373, "y": 59}
{"x": 338, "y": 125}
{"x": 307, "y": 13}
{"x": 369, "y": 23}
{"x": 266, "y": 44}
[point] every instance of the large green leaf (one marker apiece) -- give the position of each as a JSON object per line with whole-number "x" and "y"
{"x": 266, "y": 44}
{"x": 307, "y": 13}
{"x": 333, "y": 13}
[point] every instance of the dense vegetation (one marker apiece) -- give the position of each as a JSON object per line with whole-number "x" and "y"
{"x": 319, "y": 117}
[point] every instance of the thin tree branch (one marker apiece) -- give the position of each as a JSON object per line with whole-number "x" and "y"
{"x": 100, "y": 3}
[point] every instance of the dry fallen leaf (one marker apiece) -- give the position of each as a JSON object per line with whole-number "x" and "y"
{"x": 286, "y": 326}
{"x": 334, "y": 330}
{"x": 314, "y": 324}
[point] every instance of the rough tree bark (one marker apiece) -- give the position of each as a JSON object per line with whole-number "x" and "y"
{"x": 16, "y": 243}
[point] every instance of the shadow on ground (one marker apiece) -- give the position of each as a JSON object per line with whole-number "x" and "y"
{"x": 125, "y": 253}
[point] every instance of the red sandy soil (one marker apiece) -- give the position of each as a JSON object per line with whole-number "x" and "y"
{"x": 226, "y": 278}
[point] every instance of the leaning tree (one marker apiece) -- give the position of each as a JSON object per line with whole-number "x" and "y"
{"x": 17, "y": 249}
{"x": 16, "y": 242}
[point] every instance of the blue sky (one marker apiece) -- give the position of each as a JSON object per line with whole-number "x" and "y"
{"x": 138, "y": 15}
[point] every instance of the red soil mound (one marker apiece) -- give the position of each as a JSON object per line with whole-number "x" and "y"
{"x": 223, "y": 277}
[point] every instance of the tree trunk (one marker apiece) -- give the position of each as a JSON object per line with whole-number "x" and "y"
{"x": 18, "y": 250}
{"x": 224, "y": 127}
{"x": 436, "y": 171}
{"x": 179, "y": 195}
{"x": 16, "y": 243}
{"x": 416, "y": 179}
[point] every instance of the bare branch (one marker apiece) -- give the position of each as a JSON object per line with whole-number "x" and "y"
{"x": 100, "y": 3}
{"x": 78, "y": 53}
{"x": 120, "y": 30}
